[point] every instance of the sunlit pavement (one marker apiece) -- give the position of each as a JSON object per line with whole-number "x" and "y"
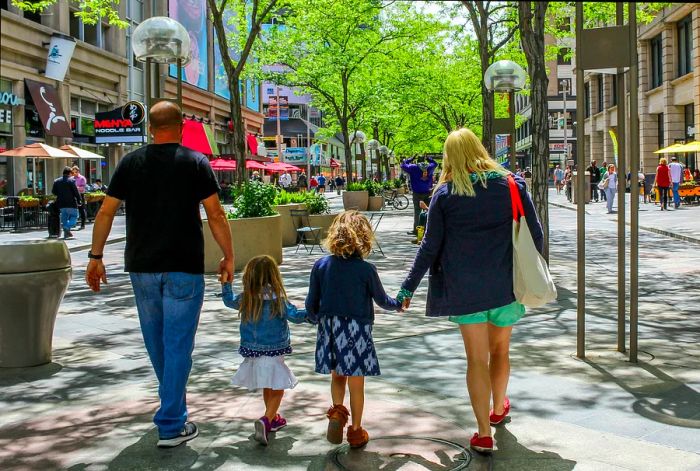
{"x": 92, "y": 407}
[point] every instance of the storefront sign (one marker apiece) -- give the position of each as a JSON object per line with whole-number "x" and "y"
{"x": 53, "y": 119}
{"x": 295, "y": 154}
{"x": 558, "y": 147}
{"x": 10, "y": 99}
{"x": 59, "y": 56}
{"x": 6, "y": 116}
{"x": 121, "y": 125}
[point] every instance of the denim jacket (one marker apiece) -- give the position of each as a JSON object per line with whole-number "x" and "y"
{"x": 270, "y": 333}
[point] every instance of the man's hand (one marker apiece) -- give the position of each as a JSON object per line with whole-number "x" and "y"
{"x": 225, "y": 270}
{"x": 405, "y": 304}
{"x": 95, "y": 274}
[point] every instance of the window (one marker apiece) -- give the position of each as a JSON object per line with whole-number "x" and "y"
{"x": 83, "y": 116}
{"x": 564, "y": 56}
{"x": 587, "y": 99}
{"x": 613, "y": 86}
{"x": 660, "y": 129}
{"x": 4, "y": 4}
{"x": 601, "y": 94}
{"x": 657, "y": 68}
{"x": 91, "y": 34}
{"x": 33, "y": 16}
{"x": 685, "y": 45}
{"x": 564, "y": 24}
{"x": 689, "y": 111}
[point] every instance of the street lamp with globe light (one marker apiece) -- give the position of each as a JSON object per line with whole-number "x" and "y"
{"x": 161, "y": 40}
{"x": 506, "y": 77}
{"x": 358, "y": 137}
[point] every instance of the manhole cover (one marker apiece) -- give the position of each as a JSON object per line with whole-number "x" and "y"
{"x": 403, "y": 453}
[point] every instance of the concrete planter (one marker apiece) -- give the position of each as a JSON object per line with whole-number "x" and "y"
{"x": 322, "y": 220}
{"x": 289, "y": 232}
{"x": 375, "y": 203}
{"x": 251, "y": 237}
{"x": 36, "y": 273}
{"x": 355, "y": 200}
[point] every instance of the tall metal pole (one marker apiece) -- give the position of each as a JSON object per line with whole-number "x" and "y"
{"x": 580, "y": 200}
{"x": 621, "y": 169}
{"x": 148, "y": 97}
{"x": 278, "y": 137}
{"x": 511, "y": 117}
{"x": 565, "y": 90}
{"x": 308, "y": 152}
{"x": 634, "y": 180}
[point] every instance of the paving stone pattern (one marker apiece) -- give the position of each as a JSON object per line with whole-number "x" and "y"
{"x": 91, "y": 409}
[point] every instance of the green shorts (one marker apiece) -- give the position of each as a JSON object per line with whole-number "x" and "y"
{"x": 504, "y": 316}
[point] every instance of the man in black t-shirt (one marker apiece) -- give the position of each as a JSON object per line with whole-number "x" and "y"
{"x": 594, "y": 171}
{"x": 163, "y": 184}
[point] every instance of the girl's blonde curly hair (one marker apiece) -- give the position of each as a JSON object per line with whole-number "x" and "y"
{"x": 350, "y": 234}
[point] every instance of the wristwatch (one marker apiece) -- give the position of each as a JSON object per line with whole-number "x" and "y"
{"x": 93, "y": 256}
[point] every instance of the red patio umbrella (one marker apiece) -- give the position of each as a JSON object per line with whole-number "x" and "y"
{"x": 223, "y": 164}
{"x": 254, "y": 165}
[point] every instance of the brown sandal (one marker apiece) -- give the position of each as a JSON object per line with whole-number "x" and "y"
{"x": 337, "y": 418}
{"x": 357, "y": 438}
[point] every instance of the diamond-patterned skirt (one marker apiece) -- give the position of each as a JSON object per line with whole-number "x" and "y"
{"x": 346, "y": 347}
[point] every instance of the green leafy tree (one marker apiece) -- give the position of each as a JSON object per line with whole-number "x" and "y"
{"x": 90, "y": 11}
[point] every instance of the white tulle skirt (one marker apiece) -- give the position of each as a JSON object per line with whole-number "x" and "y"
{"x": 264, "y": 372}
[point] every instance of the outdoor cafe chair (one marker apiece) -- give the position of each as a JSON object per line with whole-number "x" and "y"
{"x": 306, "y": 234}
{"x": 374, "y": 219}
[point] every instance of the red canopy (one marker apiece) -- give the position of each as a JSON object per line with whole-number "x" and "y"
{"x": 253, "y": 164}
{"x": 222, "y": 164}
{"x": 281, "y": 167}
{"x": 335, "y": 163}
{"x": 195, "y": 137}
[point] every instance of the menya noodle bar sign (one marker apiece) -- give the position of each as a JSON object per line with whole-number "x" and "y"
{"x": 121, "y": 125}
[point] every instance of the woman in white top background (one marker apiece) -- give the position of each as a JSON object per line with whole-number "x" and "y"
{"x": 611, "y": 189}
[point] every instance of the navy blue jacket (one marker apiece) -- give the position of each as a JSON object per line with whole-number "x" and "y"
{"x": 345, "y": 287}
{"x": 468, "y": 247}
{"x": 67, "y": 195}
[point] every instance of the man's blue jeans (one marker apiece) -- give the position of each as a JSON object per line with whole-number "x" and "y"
{"x": 69, "y": 216}
{"x": 676, "y": 196}
{"x": 169, "y": 305}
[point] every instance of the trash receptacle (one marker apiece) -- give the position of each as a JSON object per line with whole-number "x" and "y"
{"x": 34, "y": 276}
{"x": 574, "y": 187}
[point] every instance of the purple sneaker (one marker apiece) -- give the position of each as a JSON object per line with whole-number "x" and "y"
{"x": 262, "y": 430}
{"x": 277, "y": 423}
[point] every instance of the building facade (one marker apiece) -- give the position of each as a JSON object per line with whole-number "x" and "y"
{"x": 669, "y": 91}
{"x": 102, "y": 76}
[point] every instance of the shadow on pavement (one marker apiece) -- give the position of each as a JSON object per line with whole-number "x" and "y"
{"x": 512, "y": 455}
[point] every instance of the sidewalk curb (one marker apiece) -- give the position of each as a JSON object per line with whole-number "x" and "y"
{"x": 80, "y": 248}
{"x": 674, "y": 235}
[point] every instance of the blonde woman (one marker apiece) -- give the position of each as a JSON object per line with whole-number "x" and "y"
{"x": 611, "y": 188}
{"x": 468, "y": 248}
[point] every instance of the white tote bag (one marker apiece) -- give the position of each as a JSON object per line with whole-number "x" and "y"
{"x": 532, "y": 283}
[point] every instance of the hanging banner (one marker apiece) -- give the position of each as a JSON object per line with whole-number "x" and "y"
{"x": 192, "y": 14}
{"x": 51, "y": 114}
{"x": 59, "y": 56}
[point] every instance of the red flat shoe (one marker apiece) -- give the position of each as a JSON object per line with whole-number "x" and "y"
{"x": 497, "y": 419}
{"x": 481, "y": 444}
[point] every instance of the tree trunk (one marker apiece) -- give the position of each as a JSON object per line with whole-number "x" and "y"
{"x": 238, "y": 134}
{"x": 349, "y": 158}
{"x": 487, "y": 109}
{"x": 532, "y": 29}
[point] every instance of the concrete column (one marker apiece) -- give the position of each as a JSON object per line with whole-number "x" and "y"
{"x": 648, "y": 130}
{"x": 17, "y": 168}
{"x": 696, "y": 74}
{"x": 608, "y": 148}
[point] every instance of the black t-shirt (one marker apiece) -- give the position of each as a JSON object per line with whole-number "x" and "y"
{"x": 163, "y": 185}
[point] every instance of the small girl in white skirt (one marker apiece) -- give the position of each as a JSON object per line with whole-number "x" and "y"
{"x": 264, "y": 312}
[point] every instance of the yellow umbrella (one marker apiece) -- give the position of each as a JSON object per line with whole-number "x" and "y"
{"x": 690, "y": 147}
{"x": 670, "y": 149}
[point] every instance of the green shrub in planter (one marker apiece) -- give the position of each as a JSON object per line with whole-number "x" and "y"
{"x": 285, "y": 197}
{"x": 373, "y": 188}
{"x": 316, "y": 203}
{"x": 355, "y": 187}
{"x": 254, "y": 200}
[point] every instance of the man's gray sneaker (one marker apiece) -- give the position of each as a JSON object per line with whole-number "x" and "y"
{"x": 189, "y": 431}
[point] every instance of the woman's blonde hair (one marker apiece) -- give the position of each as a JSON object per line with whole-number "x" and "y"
{"x": 350, "y": 234}
{"x": 464, "y": 154}
{"x": 663, "y": 161}
{"x": 611, "y": 166}
{"x": 261, "y": 280}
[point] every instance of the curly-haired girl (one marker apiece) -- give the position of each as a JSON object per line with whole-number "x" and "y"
{"x": 341, "y": 291}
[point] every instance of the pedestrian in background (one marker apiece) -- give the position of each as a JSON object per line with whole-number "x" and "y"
{"x": 611, "y": 187}
{"x": 594, "y": 172}
{"x": 302, "y": 182}
{"x": 164, "y": 254}
{"x": 339, "y": 182}
{"x": 603, "y": 176}
{"x": 468, "y": 248}
{"x": 420, "y": 174}
{"x": 676, "y": 170}
{"x": 663, "y": 183}
{"x": 321, "y": 183}
{"x": 67, "y": 201}
{"x": 81, "y": 183}
{"x": 558, "y": 178}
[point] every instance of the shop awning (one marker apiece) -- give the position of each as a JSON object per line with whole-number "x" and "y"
{"x": 289, "y": 128}
{"x": 48, "y": 105}
{"x": 198, "y": 136}
{"x": 81, "y": 153}
{"x": 335, "y": 163}
{"x": 691, "y": 147}
{"x": 670, "y": 149}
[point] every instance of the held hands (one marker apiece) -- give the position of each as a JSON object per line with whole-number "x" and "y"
{"x": 225, "y": 270}
{"x": 404, "y": 297}
{"x": 94, "y": 274}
